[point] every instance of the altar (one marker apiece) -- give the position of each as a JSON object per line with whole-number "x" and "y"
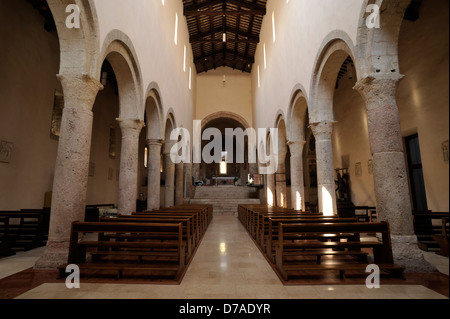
{"x": 223, "y": 180}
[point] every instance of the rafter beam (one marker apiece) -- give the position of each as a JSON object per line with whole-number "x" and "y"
{"x": 225, "y": 13}
{"x": 242, "y": 4}
{"x": 237, "y": 32}
{"x": 213, "y": 55}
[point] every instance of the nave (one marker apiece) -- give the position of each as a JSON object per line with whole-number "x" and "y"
{"x": 227, "y": 265}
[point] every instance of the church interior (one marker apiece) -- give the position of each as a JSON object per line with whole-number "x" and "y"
{"x": 335, "y": 184}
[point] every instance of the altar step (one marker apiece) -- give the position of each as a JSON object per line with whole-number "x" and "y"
{"x": 225, "y": 199}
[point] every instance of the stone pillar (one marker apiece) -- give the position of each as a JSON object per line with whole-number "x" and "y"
{"x": 196, "y": 171}
{"x": 280, "y": 180}
{"x": 297, "y": 179}
{"x": 188, "y": 178}
{"x": 389, "y": 168}
{"x": 154, "y": 174}
{"x": 179, "y": 184}
{"x": 169, "y": 190}
{"x": 72, "y": 166}
{"x": 270, "y": 191}
{"x": 325, "y": 167}
{"x": 129, "y": 155}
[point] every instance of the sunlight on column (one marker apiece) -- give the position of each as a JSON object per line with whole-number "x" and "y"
{"x": 270, "y": 199}
{"x": 282, "y": 200}
{"x": 298, "y": 201}
{"x": 327, "y": 202}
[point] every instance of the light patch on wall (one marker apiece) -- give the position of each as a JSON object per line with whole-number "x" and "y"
{"x": 176, "y": 29}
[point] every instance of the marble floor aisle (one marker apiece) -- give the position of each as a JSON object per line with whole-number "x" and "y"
{"x": 227, "y": 265}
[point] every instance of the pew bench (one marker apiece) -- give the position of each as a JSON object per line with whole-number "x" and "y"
{"x": 26, "y": 231}
{"x": 6, "y": 240}
{"x": 188, "y": 229}
{"x": 271, "y": 238}
{"x": 427, "y": 225}
{"x": 196, "y": 221}
{"x": 108, "y": 252}
{"x": 290, "y": 254}
{"x": 442, "y": 239}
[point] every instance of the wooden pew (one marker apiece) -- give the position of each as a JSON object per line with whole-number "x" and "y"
{"x": 261, "y": 218}
{"x": 27, "y": 230}
{"x": 364, "y": 213}
{"x": 382, "y": 250}
{"x": 271, "y": 239}
{"x": 198, "y": 227}
{"x": 6, "y": 239}
{"x": 204, "y": 218}
{"x": 188, "y": 229}
{"x": 442, "y": 239}
{"x": 426, "y": 225}
{"x": 163, "y": 255}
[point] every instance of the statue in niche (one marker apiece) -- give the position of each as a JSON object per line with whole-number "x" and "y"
{"x": 343, "y": 187}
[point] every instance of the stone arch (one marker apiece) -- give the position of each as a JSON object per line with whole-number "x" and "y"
{"x": 297, "y": 115}
{"x": 336, "y": 48}
{"x": 154, "y": 112}
{"x": 378, "y": 47}
{"x": 229, "y": 115}
{"x": 280, "y": 124}
{"x": 79, "y": 47}
{"x": 170, "y": 125}
{"x": 119, "y": 51}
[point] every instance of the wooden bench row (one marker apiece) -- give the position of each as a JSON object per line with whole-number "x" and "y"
{"x": 296, "y": 242}
{"x": 426, "y": 226}
{"x": 22, "y": 231}
{"x": 152, "y": 244}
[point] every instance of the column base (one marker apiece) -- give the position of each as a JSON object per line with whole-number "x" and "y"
{"x": 408, "y": 254}
{"x": 55, "y": 254}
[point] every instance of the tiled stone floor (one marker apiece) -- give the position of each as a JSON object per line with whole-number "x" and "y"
{"x": 227, "y": 265}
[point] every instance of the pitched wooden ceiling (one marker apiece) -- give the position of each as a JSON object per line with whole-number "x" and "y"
{"x": 209, "y": 20}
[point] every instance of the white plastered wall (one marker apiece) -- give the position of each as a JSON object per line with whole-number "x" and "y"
{"x": 151, "y": 28}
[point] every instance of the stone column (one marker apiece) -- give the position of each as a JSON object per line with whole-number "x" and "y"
{"x": 280, "y": 180}
{"x": 72, "y": 166}
{"x": 297, "y": 179}
{"x": 325, "y": 167}
{"x": 270, "y": 192}
{"x": 196, "y": 171}
{"x": 179, "y": 184}
{"x": 129, "y": 155}
{"x": 154, "y": 174}
{"x": 169, "y": 190}
{"x": 389, "y": 168}
{"x": 188, "y": 178}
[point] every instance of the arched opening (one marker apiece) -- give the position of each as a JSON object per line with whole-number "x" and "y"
{"x": 168, "y": 164}
{"x": 150, "y": 154}
{"x": 106, "y": 141}
{"x": 327, "y": 71}
{"x": 231, "y": 166}
{"x": 299, "y": 181}
{"x": 282, "y": 198}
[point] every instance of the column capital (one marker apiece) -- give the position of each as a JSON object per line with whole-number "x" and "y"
{"x": 129, "y": 126}
{"x": 378, "y": 87}
{"x": 296, "y": 147}
{"x": 155, "y": 142}
{"x": 322, "y": 130}
{"x": 80, "y": 90}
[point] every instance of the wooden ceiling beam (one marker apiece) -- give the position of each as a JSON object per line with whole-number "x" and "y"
{"x": 225, "y": 13}
{"x": 240, "y": 3}
{"x": 251, "y": 38}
